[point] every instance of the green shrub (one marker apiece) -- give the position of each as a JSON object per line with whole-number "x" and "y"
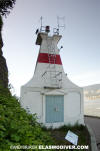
{"x": 17, "y": 127}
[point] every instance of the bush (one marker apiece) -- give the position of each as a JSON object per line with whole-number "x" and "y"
{"x": 17, "y": 127}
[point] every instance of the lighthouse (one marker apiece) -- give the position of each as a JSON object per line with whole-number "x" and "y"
{"x": 50, "y": 94}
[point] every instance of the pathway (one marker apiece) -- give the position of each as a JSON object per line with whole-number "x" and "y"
{"x": 94, "y": 123}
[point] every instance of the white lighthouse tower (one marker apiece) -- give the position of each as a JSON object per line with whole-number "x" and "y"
{"x": 50, "y": 94}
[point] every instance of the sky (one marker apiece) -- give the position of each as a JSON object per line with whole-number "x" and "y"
{"x": 80, "y": 39}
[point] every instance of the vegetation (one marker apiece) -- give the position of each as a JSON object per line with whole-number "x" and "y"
{"x": 59, "y": 134}
{"x": 5, "y": 6}
{"x": 1, "y": 23}
{"x": 17, "y": 127}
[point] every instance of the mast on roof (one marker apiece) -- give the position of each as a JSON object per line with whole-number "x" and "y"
{"x": 60, "y": 23}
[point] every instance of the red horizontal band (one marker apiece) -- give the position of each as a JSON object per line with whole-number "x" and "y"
{"x": 49, "y": 58}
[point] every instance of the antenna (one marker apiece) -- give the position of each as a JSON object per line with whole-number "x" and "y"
{"x": 42, "y": 28}
{"x": 41, "y": 18}
{"x": 60, "y": 22}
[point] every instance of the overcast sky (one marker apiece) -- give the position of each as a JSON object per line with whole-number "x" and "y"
{"x": 80, "y": 39}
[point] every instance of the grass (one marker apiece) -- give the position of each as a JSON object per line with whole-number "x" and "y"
{"x": 58, "y": 134}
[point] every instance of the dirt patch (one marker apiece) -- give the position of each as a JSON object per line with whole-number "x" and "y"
{"x": 58, "y": 136}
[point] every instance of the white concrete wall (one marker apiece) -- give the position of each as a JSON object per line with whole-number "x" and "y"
{"x": 39, "y": 81}
{"x": 73, "y": 105}
{"x": 33, "y": 93}
{"x": 73, "y": 108}
{"x": 33, "y": 101}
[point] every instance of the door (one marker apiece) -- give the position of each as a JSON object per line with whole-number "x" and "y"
{"x": 54, "y": 109}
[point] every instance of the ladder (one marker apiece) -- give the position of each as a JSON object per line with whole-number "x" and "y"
{"x": 55, "y": 77}
{"x": 51, "y": 54}
{"x": 52, "y": 79}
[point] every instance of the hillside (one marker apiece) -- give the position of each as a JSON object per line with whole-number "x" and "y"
{"x": 92, "y": 87}
{"x": 92, "y": 91}
{"x": 17, "y": 126}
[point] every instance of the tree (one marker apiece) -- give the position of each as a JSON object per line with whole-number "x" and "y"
{"x": 5, "y": 6}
